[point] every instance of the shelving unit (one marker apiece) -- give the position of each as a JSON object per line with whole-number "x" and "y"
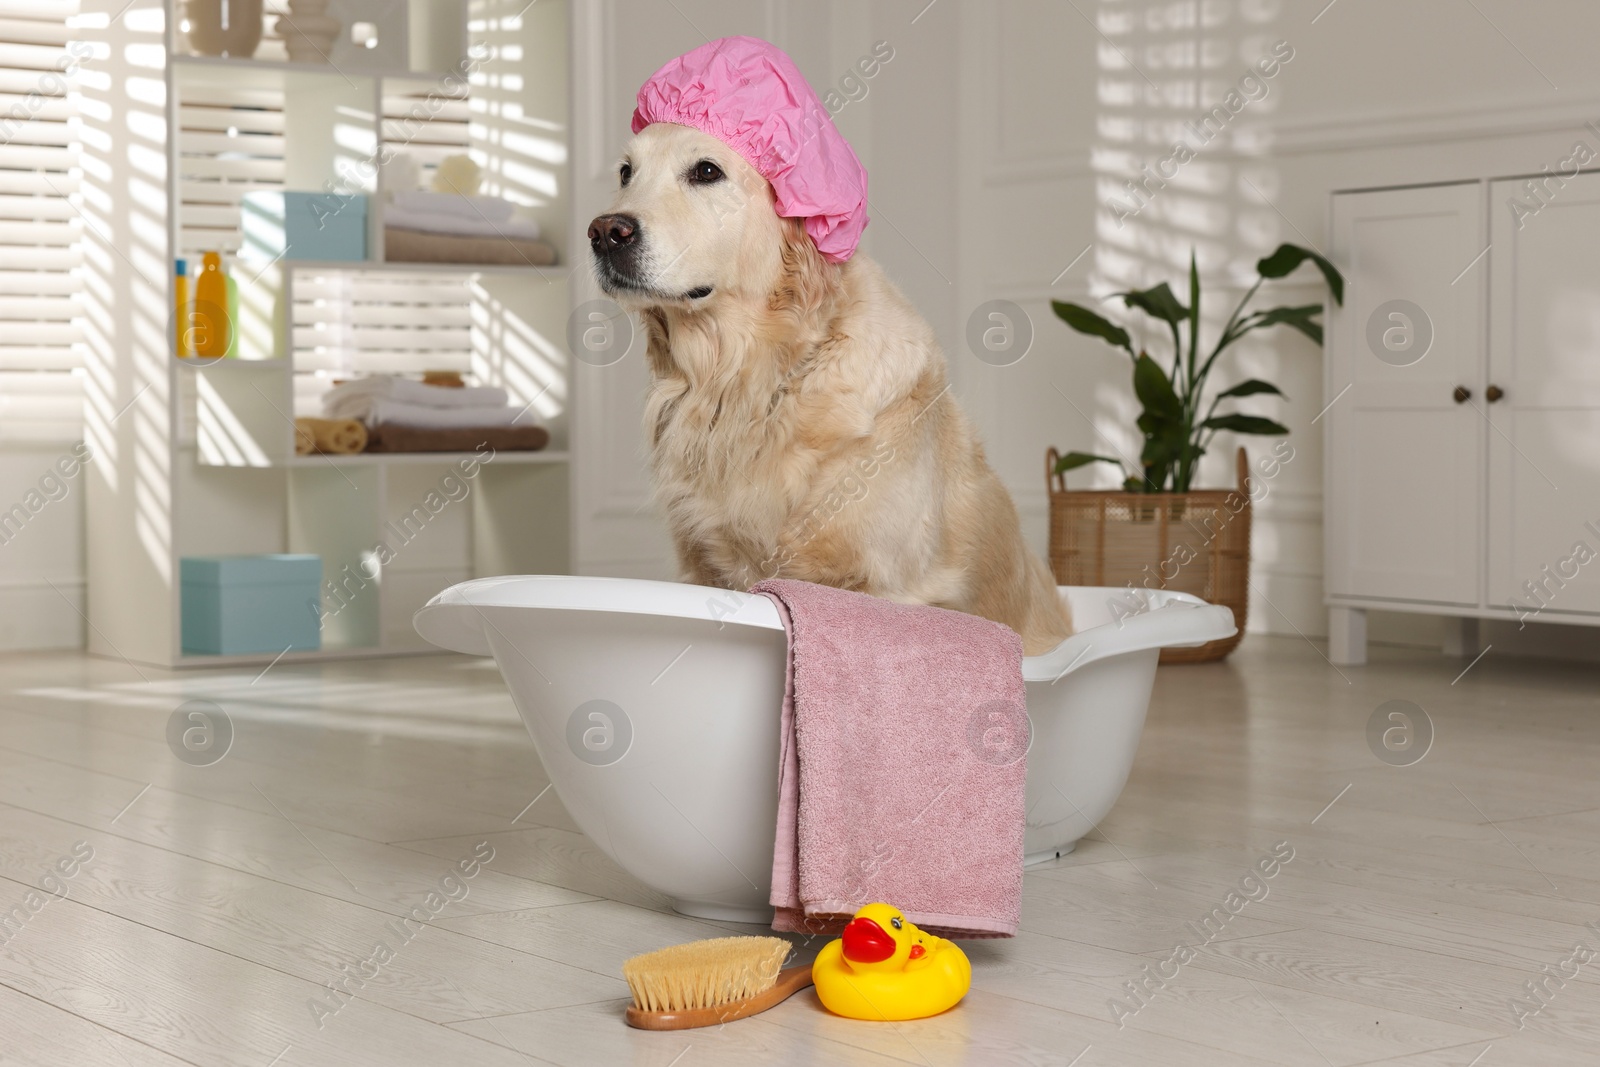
{"x": 202, "y": 460}
{"x": 227, "y": 70}
{"x": 373, "y": 459}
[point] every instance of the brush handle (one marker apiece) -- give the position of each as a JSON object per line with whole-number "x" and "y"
{"x": 790, "y": 981}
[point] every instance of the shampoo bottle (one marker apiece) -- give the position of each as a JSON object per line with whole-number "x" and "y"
{"x": 180, "y": 308}
{"x": 212, "y": 331}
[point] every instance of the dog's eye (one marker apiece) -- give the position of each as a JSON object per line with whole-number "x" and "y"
{"x": 626, "y": 172}
{"x": 705, "y": 172}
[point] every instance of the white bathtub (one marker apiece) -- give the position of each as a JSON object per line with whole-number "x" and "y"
{"x": 654, "y": 708}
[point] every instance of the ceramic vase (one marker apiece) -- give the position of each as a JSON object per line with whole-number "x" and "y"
{"x": 308, "y": 31}
{"x": 223, "y": 27}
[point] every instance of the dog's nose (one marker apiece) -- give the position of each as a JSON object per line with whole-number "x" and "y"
{"x": 607, "y": 233}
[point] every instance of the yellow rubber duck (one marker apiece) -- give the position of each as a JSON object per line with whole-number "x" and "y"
{"x": 884, "y": 968}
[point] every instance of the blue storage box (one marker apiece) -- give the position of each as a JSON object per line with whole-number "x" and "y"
{"x": 303, "y": 226}
{"x": 233, "y": 605}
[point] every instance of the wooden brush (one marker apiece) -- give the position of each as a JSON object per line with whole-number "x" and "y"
{"x": 705, "y": 983}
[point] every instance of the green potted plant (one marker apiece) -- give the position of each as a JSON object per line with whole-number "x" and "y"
{"x": 1157, "y": 531}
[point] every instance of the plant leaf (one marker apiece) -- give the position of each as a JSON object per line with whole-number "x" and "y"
{"x": 1154, "y": 389}
{"x": 1159, "y": 302}
{"x": 1246, "y": 424}
{"x": 1283, "y": 314}
{"x": 1164, "y": 449}
{"x": 1149, "y": 423}
{"x": 1194, "y": 313}
{"x": 1284, "y": 261}
{"x": 1162, "y": 304}
{"x": 1251, "y": 388}
{"x": 1311, "y": 329}
{"x": 1088, "y": 322}
{"x": 1074, "y": 460}
{"x": 1133, "y": 485}
{"x": 1302, "y": 318}
{"x": 1163, "y": 422}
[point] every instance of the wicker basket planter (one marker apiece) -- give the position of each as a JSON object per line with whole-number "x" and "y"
{"x": 1195, "y": 542}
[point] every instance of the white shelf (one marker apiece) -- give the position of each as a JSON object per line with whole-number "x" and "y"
{"x": 234, "y": 71}
{"x": 204, "y": 364}
{"x": 368, "y": 459}
{"x": 554, "y": 272}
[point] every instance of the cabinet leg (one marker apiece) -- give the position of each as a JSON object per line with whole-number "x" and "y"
{"x": 1347, "y": 636}
{"x": 1461, "y": 637}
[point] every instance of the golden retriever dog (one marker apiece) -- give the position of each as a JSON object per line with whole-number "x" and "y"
{"x": 799, "y": 418}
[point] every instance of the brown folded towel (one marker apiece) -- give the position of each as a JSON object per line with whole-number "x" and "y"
{"x": 337, "y": 437}
{"x": 393, "y": 437}
{"x": 413, "y": 246}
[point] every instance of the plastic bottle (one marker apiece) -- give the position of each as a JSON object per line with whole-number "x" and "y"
{"x": 212, "y": 334}
{"x": 180, "y": 308}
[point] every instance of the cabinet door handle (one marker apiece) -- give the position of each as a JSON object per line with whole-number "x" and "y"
{"x": 1493, "y": 393}
{"x": 1462, "y": 394}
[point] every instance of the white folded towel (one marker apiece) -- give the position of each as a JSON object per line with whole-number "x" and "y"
{"x": 375, "y": 410}
{"x": 423, "y": 202}
{"x": 459, "y": 225}
{"x": 411, "y": 391}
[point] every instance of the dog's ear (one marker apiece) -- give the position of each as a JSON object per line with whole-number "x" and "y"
{"x": 808, "y": 279}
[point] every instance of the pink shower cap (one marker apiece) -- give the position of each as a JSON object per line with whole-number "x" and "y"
{"x": 750, "y": 96}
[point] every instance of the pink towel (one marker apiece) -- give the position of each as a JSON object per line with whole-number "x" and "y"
{"x": 891, "y": 786}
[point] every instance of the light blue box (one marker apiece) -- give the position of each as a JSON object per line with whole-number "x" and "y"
{"x": 321, "y": 226}
{"x": 234, "y": 605}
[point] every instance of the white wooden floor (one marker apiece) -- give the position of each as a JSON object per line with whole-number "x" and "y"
{"x": 219, "y": 900}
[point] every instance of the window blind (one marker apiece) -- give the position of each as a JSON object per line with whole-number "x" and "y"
{"x": 345, "y": 322}
{"x": 422, "y": 120}
{"x": 230, "y": 142}
{"x": 41, "y": 359}
{"x": 348, "y": 323}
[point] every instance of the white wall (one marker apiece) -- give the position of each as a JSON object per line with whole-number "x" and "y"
{"x": 41, "y": 559}
{"x": 1002, "y": 126}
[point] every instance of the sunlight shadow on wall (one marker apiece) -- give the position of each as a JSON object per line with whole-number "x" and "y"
{"x": 125, "y": 264}
{"x": 1180, "y": 163}
{"x": 529, "y": 152}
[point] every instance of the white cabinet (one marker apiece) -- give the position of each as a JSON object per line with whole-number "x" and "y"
{"x": 1463, "y": 436}
{"x": 1544, "y": 356}
{"x": 1406, "y": 460}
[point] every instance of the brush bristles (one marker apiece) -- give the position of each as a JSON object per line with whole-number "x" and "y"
{"x": 705, "y": 974}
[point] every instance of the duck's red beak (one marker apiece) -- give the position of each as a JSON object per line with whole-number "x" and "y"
{"x": 866, "y": 942}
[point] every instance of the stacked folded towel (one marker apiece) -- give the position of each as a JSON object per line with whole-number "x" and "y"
{"x": 385, "y": 398}
{"x": 457, "y": 216}
{"x": 425, "y": 202}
